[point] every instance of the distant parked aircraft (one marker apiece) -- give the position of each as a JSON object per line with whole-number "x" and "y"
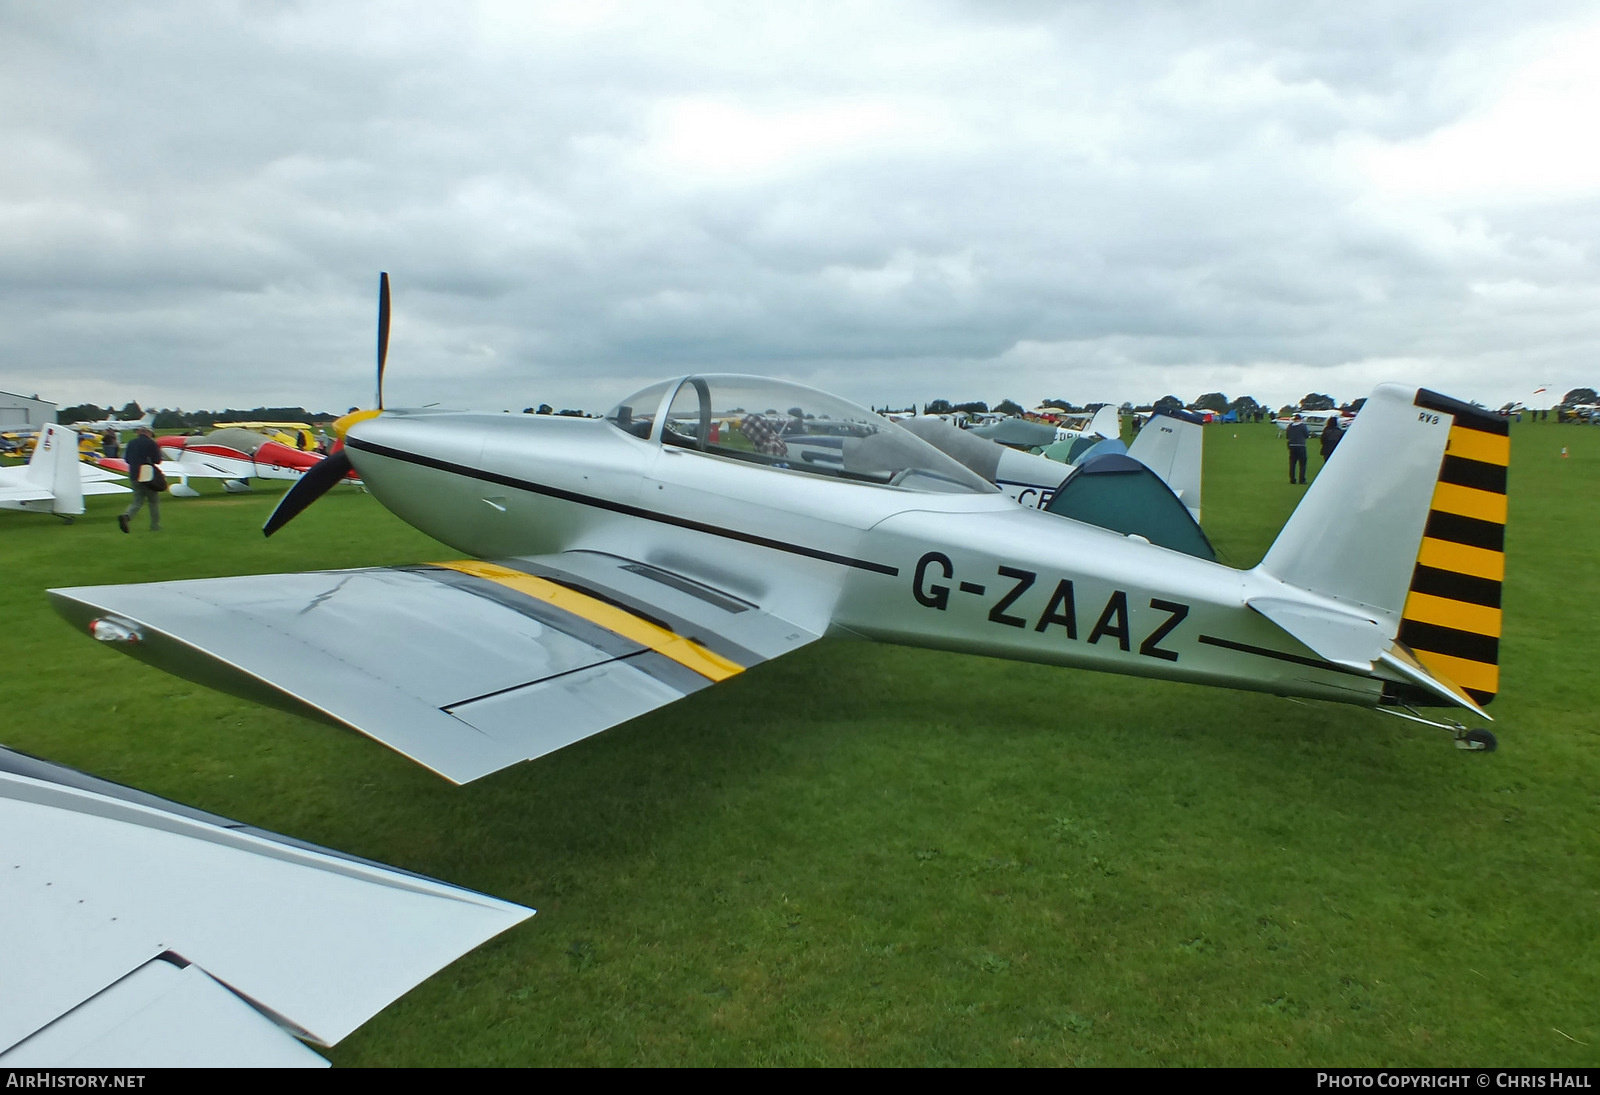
{"x": 117, "y": 424}
{"x": 232, "y": 454}
{"x": 54, "y": 480}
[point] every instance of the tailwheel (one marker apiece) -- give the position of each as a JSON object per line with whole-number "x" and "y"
{"x": 1476, "y": 740}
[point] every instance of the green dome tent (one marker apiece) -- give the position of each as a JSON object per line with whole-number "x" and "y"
{"x": 1116, "y": 492}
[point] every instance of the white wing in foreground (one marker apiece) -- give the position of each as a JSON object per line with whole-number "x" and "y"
{"x": 145, "y": 933}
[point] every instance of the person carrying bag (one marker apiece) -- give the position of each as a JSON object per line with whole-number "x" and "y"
{"x": 144, "y": 468}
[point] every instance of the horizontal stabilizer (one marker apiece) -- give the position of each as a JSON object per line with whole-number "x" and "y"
{"x": 1406, "y": 664}
{"x": 1339, "y": 635}
{"x": 465, "y": 667}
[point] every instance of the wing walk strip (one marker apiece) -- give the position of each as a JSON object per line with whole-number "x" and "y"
{"x": 1452, "y": 618}
{"x": 619, "y": 621}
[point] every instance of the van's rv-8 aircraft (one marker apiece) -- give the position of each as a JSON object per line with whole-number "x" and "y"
{"x": 615, "y": 565}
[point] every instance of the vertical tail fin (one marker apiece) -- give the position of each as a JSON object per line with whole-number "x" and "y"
{"x": 1172, "y": 446}
{"x": 1107, "y": 422}
{"x": 54, "y": 467}
{"x": 1406, "y": 525}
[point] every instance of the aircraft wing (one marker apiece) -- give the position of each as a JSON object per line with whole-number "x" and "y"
{"x": 21, "y": 493}
{"x": 465, "y": 667}
{"x": 94, "y": 473}
{"x": 15, "y": 486}
{"x": 142, "y": 933}
{"x": 176, "y": 470}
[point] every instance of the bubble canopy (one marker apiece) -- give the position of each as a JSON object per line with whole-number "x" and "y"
{"x": 789, "y": 427}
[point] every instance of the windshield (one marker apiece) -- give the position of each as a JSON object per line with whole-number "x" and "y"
{"x": 637, "y": 413}
{"x": 793, "y": 428}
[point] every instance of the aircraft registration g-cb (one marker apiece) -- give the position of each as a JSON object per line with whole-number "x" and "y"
{"x": 710, "y": 523}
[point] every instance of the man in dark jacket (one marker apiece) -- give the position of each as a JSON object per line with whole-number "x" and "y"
{"x": 1297, "y": 435}
{"x": 143, "y": 452}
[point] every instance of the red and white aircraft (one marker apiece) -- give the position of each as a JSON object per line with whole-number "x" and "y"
{"x": 231, "y": 454}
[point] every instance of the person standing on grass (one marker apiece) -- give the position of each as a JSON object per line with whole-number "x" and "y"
{"x": 1297, "y": 435}
{"x": 1332, "y": 433}
{"x": 143, "y": 452}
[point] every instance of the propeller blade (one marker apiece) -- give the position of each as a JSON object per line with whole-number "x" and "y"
{"x": 383, "y": 330}
{"x": 312, "y": 485}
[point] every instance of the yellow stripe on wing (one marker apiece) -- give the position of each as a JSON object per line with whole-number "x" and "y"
{"x": 669, "y": 644}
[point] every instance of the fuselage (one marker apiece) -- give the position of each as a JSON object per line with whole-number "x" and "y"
{"x": 970, "y": 572}
{"x": 256, "y": 457}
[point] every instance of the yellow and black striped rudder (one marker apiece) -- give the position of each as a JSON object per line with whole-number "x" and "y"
{"x": 1451, "y": 619}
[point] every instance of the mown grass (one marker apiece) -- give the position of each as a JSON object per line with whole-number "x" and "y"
{"x": 872, "y": 855}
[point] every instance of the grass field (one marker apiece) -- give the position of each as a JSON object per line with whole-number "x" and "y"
{"x": 914, "y": 858}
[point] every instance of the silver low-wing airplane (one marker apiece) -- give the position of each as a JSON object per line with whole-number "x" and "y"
{"x": 121, "y": 425}
{"x": 618, "y": 564}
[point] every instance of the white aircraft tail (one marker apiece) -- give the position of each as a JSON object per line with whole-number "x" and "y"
{"x": 1173, "y": 448}
{"x": 1402, "y": 536}
{"x": 1107, "y": 422}
{"x": 54, "y": 467}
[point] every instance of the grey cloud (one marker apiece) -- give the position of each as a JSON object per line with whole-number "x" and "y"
{"x": 201, "y": 201}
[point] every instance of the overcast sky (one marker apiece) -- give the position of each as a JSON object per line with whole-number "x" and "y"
{"x": 891, "y": 201}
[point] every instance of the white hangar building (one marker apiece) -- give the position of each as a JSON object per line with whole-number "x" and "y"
{"x": 19, "y": 412}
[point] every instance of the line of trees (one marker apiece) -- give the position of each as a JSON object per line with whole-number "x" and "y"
{"x": 88, "y": 412}
{"x": 1246, "y": 407}
{"x": 545, "y": 408}
{"x": 178, "y": 419}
